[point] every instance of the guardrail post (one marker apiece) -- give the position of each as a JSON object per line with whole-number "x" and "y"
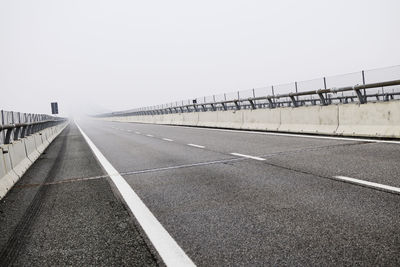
{"x": 23, "y": 129}
{"x": 213, "y": 107}
{"x": 237, "y": 104}
{"x": 363, "y": 80}
{"x": 17, "y": 129}
{"x": 254, "y": 96}
{"x": 295, "y": 104}
{"x": 224, "y": 106}
{"x": 321, "y": 98}
{"x": 271, "y": 103}
{"x": 252, "y": 104}
{"x": 7, "y": 139}
{"x": 326, "y": 94}
{"x": 360, "y": 96}
{"x": 2, "y": 123}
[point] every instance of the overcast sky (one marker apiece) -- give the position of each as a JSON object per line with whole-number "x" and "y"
{"x": 112, "y": 55}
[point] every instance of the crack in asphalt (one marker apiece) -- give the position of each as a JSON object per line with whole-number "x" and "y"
{"x": 222, "y": 161}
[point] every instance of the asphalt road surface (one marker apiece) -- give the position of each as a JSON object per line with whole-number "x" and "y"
{"x": 228, "y": 197}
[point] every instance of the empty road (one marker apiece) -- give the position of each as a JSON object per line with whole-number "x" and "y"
{"x": 242, "y": 198}
{"x": 246, "y": 198}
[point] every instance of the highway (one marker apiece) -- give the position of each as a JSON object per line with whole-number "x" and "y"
{"x": 235, "y": 198}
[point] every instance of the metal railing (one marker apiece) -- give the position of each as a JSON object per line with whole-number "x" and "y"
{"x": 17, "y": 125}
{"x": 362, "y": 87}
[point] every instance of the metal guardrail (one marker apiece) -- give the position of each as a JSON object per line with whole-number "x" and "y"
{"x": 16, "y": 125}
{"x": 362, "y": 92}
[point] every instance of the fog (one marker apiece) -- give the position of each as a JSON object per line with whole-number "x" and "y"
{"x": 100, "y": 56}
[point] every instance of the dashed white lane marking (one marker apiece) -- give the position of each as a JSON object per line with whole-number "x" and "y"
{"x": 289, "y": 134}
{"x": 194, "y": 145}
{"x": 138, "y": 133}
{"x": 129, "y": 130}
{"x": 369, "y": 184}
{"x": 149, "y": 135}
{"x": 170, "y": 252}
{"x": 167, "y": 139}
{"x": 247, "y": 156}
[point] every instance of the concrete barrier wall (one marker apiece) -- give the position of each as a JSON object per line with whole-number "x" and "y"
{"x": 230, "y": 119}
{"x": 262, "y": 119}
{"x": 17, "y": 157}
{"x": 31, "y": 149}
{"x": 380, "y": 119}
{"x": 312, "y": 119}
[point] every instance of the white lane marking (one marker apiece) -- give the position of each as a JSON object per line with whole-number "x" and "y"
{"x": 138, "y": 133}
{"x": 290, "y": 135}
{"x": 194, "y": 145}
{"x": 149, "y": 135}
{"x": 247, "y": 156}
{"x": 129, "y": 130}
{"x": 370, "y": 184}
{"x": 170, "y": 252}
{"x": 167, "y": 139}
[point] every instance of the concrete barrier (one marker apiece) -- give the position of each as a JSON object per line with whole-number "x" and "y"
{"x": 310, "y": 119}
{"x": 7, "y": 176}
{"x": 176, "y": 118}
{"x": 230, "y": 119}
{"x": 19, "y": 160}
{"x": 46, "y": 136}
{"x": 17, "y": 157}
{"x": 159, "y": 119}
{"x": 30, "y": 147}
{"x": 190, "y": 119}
{"x": 381, "y": 119}
{"x": 40, "y": 145}
{"x": 208, "y": 119}
{"x": 262, "y": 119}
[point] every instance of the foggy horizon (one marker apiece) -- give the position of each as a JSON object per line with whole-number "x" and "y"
{"x": 102, "y": 56}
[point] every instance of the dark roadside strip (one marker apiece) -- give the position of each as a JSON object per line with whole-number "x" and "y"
{"x": 12, "y": 247}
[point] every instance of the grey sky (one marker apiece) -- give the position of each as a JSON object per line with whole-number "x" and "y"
{"x": 115, "y": 55}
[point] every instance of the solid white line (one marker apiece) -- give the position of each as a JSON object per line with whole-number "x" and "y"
{"x": 149, "y": 135}
{"x": 198, "y": 146}
{"x": 370, "y": 184}
{"x": 167, "y": 139}
{"x": 247, "y": 156}
{"x": 170, "y": 252}
{"x": 291, "y": 135}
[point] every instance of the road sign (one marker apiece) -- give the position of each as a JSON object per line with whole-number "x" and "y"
{"x": 54, "y": 108}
